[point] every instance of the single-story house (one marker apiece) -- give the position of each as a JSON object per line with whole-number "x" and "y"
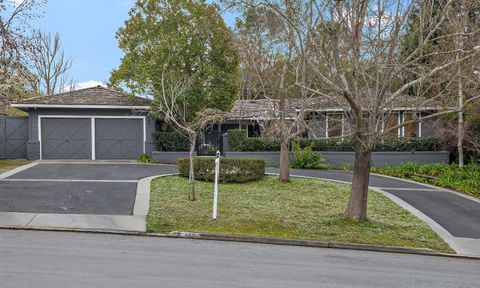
{"x": 92, "y": 123}
{"x": 327, "y": 119}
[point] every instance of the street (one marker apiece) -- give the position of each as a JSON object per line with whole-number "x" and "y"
{"x": 61, "y": 259}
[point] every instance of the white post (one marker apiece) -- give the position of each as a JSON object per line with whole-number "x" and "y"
{"x": 215, "y": 190}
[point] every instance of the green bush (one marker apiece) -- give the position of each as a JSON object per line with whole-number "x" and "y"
{"x": 238, "y": 170}
{"x": 444, "y": 175}
{"x": 170, "y": 141}
{"x": 306, "y": 158}
{"x": 239, "y": 141}
{"x": 145, "y": 158}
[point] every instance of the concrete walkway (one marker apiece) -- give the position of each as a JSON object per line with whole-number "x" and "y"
{"x": 454, "y": 216}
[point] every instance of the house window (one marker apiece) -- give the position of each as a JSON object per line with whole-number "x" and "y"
{"x": 334, "y": 125}
{"x": 410, "y": 130}
{"x": 389, "y": 121}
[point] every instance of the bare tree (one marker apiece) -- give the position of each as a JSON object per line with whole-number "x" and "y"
{"x": 50, "y": 64}
{"x": 171, "y": 104}
{"x": 354, "y": 55}
{"x": 271, "y": 60}
{"x": 16, "y": 80}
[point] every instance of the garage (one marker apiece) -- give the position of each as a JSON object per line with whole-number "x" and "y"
{"x": 92, "y": 123}
{"x": 64, "y": 138}
{"x": 118, "y": 138}
{"x": 71, "y": 138}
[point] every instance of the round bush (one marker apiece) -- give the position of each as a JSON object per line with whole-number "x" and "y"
{"x": 238, "y": 170}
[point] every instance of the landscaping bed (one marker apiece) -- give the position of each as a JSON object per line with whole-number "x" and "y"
{"x": 6, "y": 165}
{"x": 307, "y": 209}
{"x": 465, "y": 180}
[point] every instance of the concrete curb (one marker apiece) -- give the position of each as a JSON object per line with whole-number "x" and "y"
{"x": 260, "y": 240}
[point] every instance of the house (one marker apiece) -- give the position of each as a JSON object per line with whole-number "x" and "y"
{"x": 92, "y": 123}
{"x": 327, "y": 119}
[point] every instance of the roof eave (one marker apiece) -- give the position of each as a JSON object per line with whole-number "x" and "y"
{"x": 130, "y": 107}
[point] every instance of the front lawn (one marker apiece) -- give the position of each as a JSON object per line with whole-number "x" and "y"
{"x": 301, "y": 209}
{"x": 466, "y": 179}
{"x": 6, "y": 165}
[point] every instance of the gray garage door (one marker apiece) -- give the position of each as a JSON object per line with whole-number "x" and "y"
{"x": 118, "y": 138}
{"x": 66, "y": 138}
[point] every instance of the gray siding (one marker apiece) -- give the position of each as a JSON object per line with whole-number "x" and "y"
{"x": 33, "y": 146}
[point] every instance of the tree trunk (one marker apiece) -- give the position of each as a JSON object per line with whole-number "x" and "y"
{"x": 191, "y": 174}
{"x": 357, "y": 206}
{"x": 284, "y": 161}
{"x": 460, "y": 132}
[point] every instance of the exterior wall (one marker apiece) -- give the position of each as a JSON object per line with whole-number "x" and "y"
{"x": 428, "y": 127}
{"x": 168, "y": 157}
{"x": 33, "y": 145}
{"x": 379, "y": 159}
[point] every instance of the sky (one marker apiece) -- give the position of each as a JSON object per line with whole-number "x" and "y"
{"x": 87, "y": 31}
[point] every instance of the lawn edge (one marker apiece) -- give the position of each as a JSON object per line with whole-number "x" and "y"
{"x": 260, "y": 240}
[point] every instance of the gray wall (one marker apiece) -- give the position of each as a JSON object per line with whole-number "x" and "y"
{"x": 379, "y": 159}
{"x": 165, "y": 157}
{"x": 33, "y": 145}
{"x": 13, "y": 137}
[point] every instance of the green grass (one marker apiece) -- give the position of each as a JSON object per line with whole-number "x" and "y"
{"x": 6, "y": 165}
{"x": 466, "y": 179}
{"x": 300, "y": 209}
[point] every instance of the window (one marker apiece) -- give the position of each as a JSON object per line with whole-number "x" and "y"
{"x": 410, "y": 130}
{"x": 390, "y": 121}
{"x": 334, "y": 125}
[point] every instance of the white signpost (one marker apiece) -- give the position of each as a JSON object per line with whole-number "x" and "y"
{"x": 215, "y": 190}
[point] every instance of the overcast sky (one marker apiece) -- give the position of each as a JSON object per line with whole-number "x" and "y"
{"x": 87, "y": 30}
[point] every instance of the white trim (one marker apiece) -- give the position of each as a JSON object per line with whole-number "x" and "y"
{"x": 400, "y": 129}
{"x": 92, "y": 128}
{"x": 79, "y": 106}
{"x": 326, "y": 125}
{"x": 419, "y": 125}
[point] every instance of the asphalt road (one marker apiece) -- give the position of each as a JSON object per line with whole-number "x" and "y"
{"x": 56, "y": 259}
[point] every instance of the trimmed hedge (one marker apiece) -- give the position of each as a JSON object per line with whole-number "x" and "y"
{"x": 170, "y": 141}
{"x": 239, "y": 142}
{"x": 231, "y": 169}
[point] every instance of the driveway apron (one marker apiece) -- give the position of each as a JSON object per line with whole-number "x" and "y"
{"x": 91, "y": 195}
{"x": 458, "y": 215}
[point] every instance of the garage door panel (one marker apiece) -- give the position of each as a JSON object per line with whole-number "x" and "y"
{"x": 66, "y": 138}
{"x": 118, "y": 138}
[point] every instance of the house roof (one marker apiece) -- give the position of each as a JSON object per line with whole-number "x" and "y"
{"x": 98, "y": 97}
{"x": 267, "y": 108}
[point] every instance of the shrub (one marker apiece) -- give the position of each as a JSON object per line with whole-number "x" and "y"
{"x": 239, "y": 141}
{"x": 444, "y": 175}
{"x": 238, "y": 170}
{"x": 145, "y": 158}
{"x": 306, "y": 158}
{"x": 170, "y": 141}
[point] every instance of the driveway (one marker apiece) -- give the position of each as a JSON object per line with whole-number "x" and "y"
{"x": 88, "y": 195}
{"x": 454, "y": 216}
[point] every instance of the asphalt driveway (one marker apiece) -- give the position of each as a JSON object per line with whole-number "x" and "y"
{"x": 67, "y": 188}
{"x": 459, "y": 215}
